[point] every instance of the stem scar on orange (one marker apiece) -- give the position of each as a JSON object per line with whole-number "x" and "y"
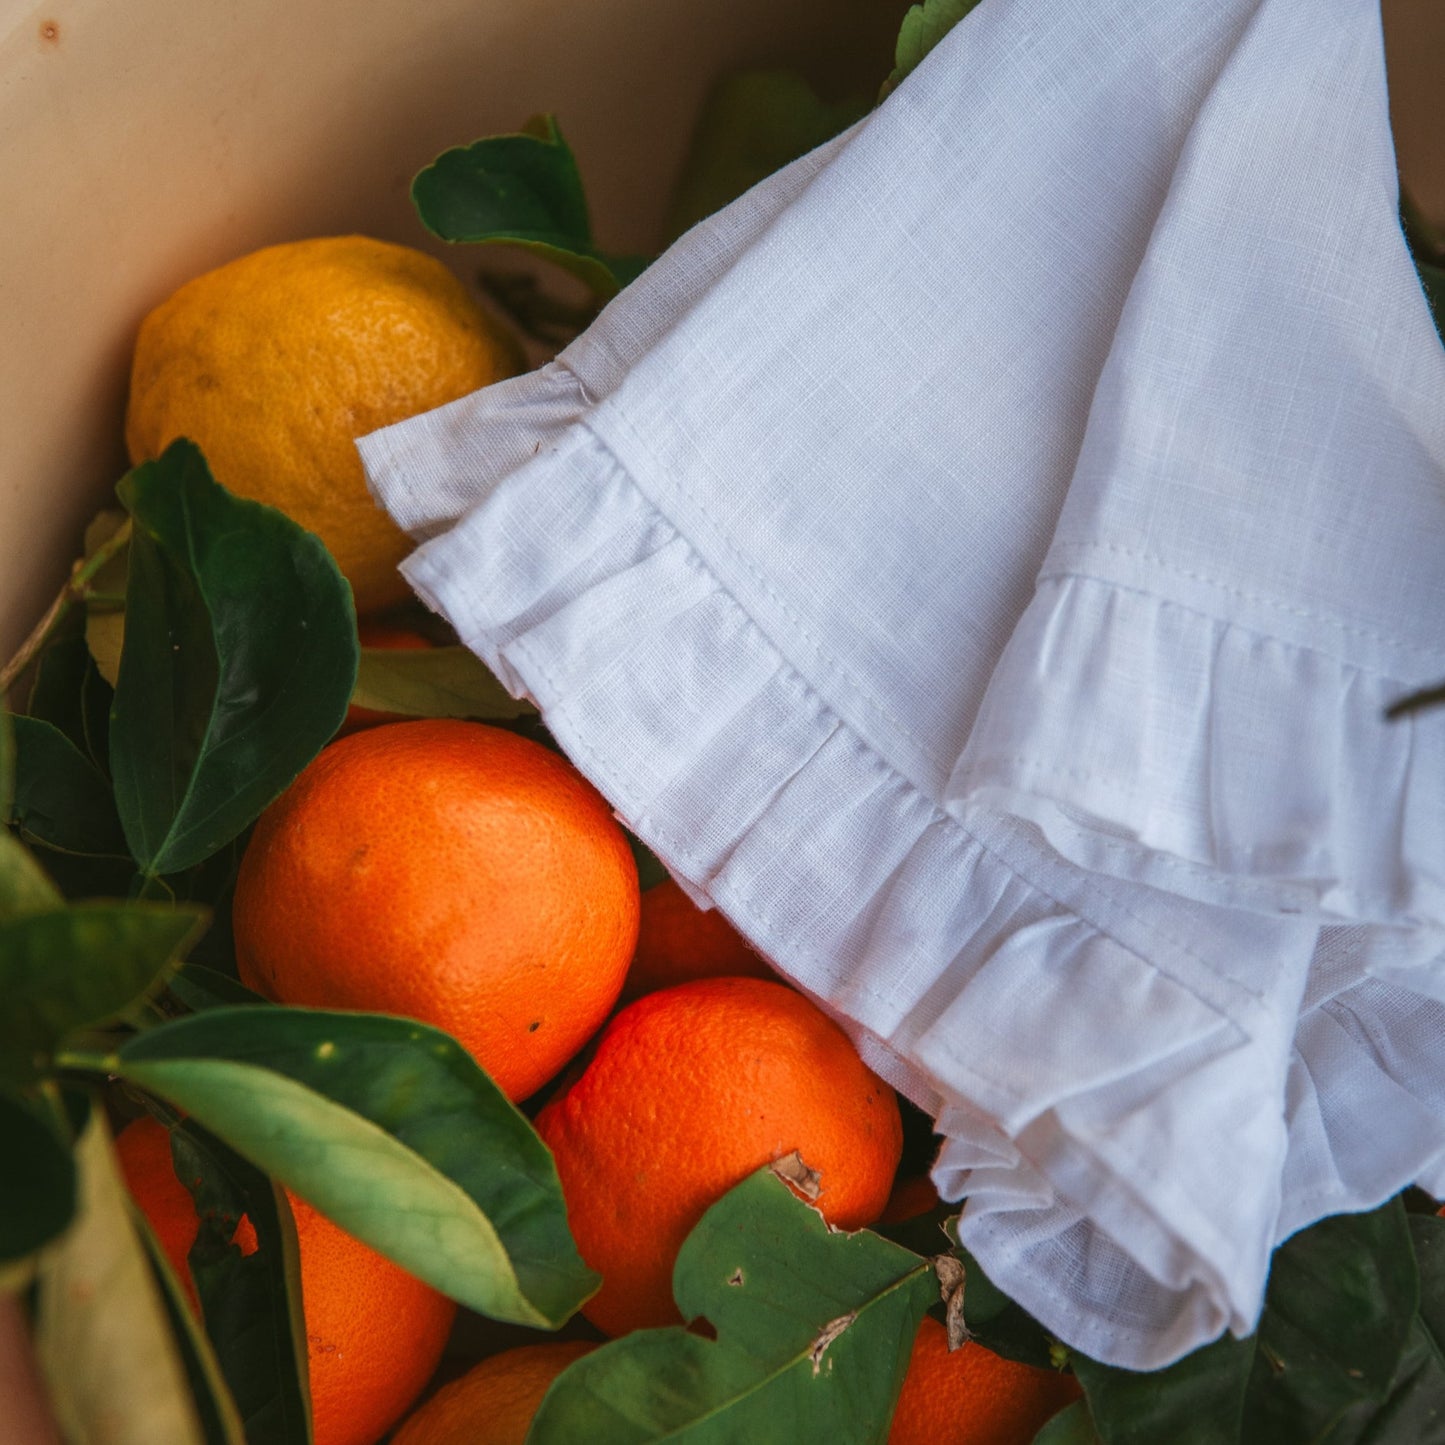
{"x": 690, "y": 1090}
{"x": 450, "y": 872}
{"x": 374, "y": 1333}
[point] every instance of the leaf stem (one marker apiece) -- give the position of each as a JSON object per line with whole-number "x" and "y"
{"x": 87, "y": 1061}
{"x": 75, "y": 590}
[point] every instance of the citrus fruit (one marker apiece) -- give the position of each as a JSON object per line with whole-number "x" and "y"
{"x": 374, "y": 1334}
{"x": 390, "y": 639}
{"x": 689, "y": 1090}
{"x": 275, "y": 362}
{"x": 913, "y": 1195}
{"x": 494, "y": 1402}
{"x": 450, "y": 872}
{"x": 972, "y": 1396}
{"x": 677, "y": 941}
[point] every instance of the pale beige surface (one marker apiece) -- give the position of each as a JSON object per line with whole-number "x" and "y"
{"x": 143, "y": 141}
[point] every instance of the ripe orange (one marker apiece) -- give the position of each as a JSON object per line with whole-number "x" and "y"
{"x": 689, "y": 1091}
{"x": 392, "y": 639}
{"x": 450, "y": 872}
{"x": 374, "y": 1334}
{"x": 973, "y": 1396}
{"x": 494, "y": 1402}
{"x": 275, "y": 362}
{"x": 678, "y": 941}
{"x": 912, "y": 1195}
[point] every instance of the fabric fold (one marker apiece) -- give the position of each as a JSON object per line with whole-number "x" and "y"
{"x": 1002, "y": 644}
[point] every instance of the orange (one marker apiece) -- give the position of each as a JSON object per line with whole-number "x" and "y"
{"x": 678, "y": 941}
{"x": 450, "y": 872}
{"x": 689, "y": 1091}
{"x": 275, "y": 362}
{"x": 912, "y": 1196}
{"x": 391, "y": 639}
{"x": 973, "y": 1396}
{"x": 493, "y": 1404}
{"x": 374, "y": 1334}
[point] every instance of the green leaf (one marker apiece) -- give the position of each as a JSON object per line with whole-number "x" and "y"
{"x": 251, "y": 1303}
{"x": 101, "y": 1334}
{"x": 433, "y": 682}
{"x": 69, "y": 968}
{"x": 923, "y": 27}
{"x": 23, "y": 884}
{"x": 388, "y": 1127}
{"x": 1073, "y": 1425}
{"x": 38, "y": 1199}
{"x": 753, "y": 123}
{"x": 219, "y": 1419}
{"x": 1337, "y": 1315}
{"x": 519, "y": 190}
{"x": 201, "y": 988}
{"x": 1336, "y": 1322}
{"x": 239, "y": 660}
{"x": 814, "y": 1331}
{"x": 61, "y": 798}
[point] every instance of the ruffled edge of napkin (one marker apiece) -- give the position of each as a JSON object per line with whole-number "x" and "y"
{"x": 948, "y": 951}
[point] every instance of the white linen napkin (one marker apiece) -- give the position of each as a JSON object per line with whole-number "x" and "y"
{"x": 978, "y": 560}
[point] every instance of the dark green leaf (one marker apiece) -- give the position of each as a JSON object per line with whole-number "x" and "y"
{"x": 61, "y": 798}
{"x": 101, "y": 1332}
{"x": 219, "y": 1419}
{"x": 201, "y": 988}
{"x": 251, "y": 1302}
{"x": 389, "y": 1128}
{"x": 1336, "y": 1322}
{"x": 519, "y": 190}
{"x": 1414, "y": 1411}
{"x": 66, "y": 969}
{"x": 432, "y": 682}
{"x": 1337, "y": 1314}
{"x": 38, "y": 1197}
{"x": 239, "y": 660}
{"x": 59, "y": 678}
{"x": 1197, "y": 1401}
{"x": 753, "y": 123}
{"x": 814, "y": 1331}
{"x": 923, "y": 27}
{"x": 1073, "y": 1425}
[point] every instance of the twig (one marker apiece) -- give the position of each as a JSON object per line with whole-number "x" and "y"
{"x": 76, "y": 589}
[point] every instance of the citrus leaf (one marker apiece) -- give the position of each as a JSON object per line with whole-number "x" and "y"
{"x": 433, "y": 682}
{"x": 388, "y": 1127}
{"x": 38, "y": 1199}
{"x": 61, "y": 798}
{"x": 239, "y": 659}
{"x": 67, "y": 968}
{"x": 251, "y": 1302}
{"x": 814, "y": 1330}
{"x": 219, "y": 1419}
{"x": 105, "y": 640}
{"x": 201, "y": 988}
{"x": 1073, "y": 1425}
{"x": 923, "y": 27}
{"x": 101, "y": 1334}
{"x": 70, "y": 693}
{"x": 23, "y": 884}
{"x": 519, "y": 190}
{"x": 1337, "y": 1318}
{"x": 753, "y": 123}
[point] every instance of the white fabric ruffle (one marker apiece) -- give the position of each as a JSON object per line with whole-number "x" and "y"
{"x": 1004, "y": 651}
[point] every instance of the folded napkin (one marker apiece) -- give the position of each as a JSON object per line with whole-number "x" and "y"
{"x": 978, "y": 561}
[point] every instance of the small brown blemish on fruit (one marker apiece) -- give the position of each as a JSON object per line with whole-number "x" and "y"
{"x": 50, "y": 32}
{"x": 827, "y": 1335}
{"x": 534, "y": 1026}
{"x": 736, "y": 1277}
